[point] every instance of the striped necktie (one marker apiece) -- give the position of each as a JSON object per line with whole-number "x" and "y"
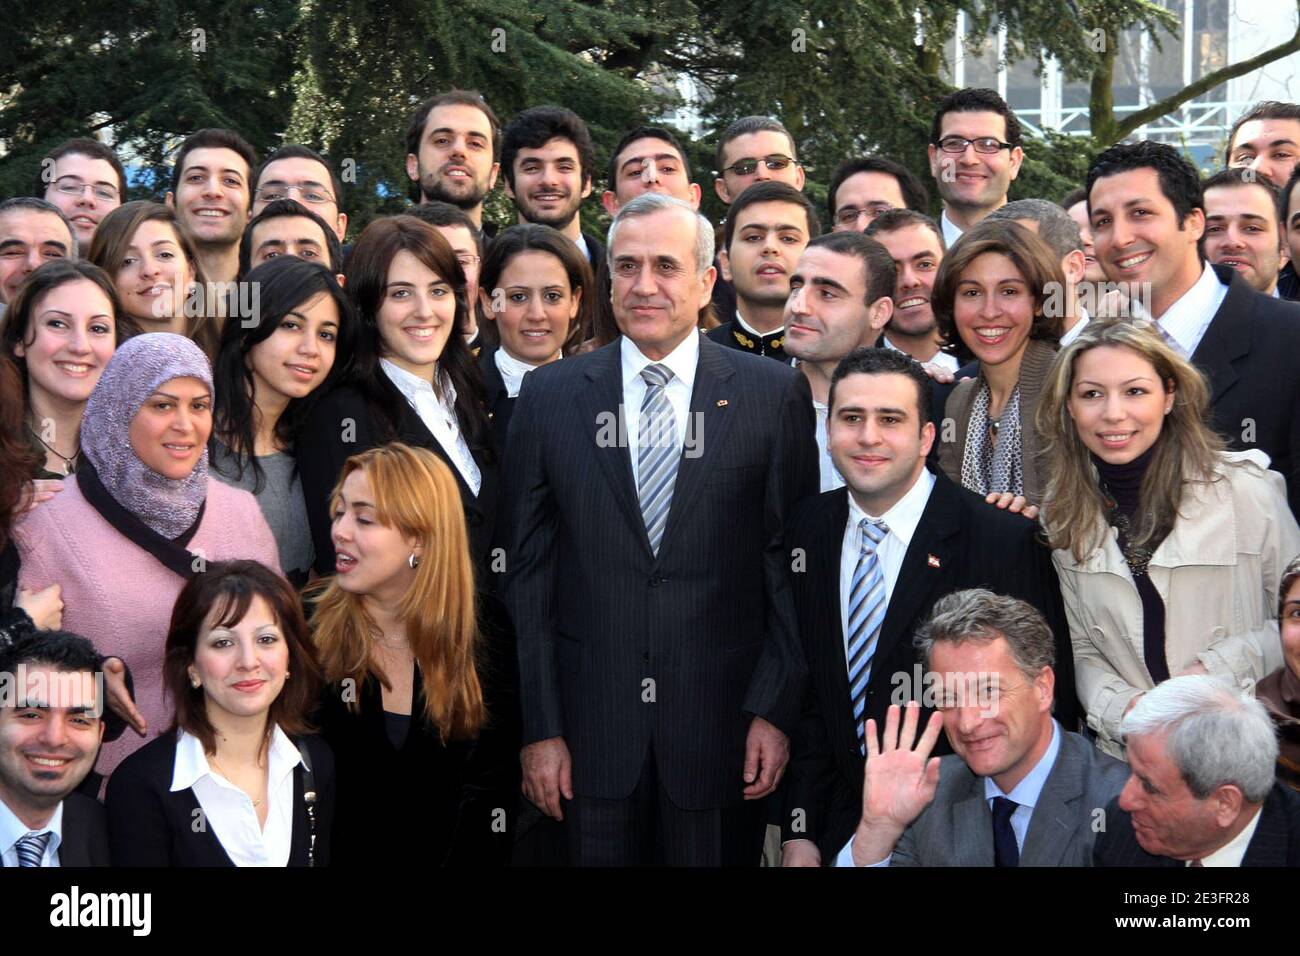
{"x": 657, "y": 453}
{"x": 866, "y": 614}
{"x": 31, "y": 848}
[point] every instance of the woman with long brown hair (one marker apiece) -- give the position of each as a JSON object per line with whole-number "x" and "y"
{"x": 1169, "y": 549}
{"x": 419, "y": 707}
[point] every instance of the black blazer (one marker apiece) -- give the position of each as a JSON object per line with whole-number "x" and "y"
{"x": 1248, "y": 356}
{"x": 149, "y": 825}
{"x": 960, "y": 543}
{"x": 343, "y": 424}
{"x": 499, "y": 405}
{"x": 619, "y": 647}
{"x": 1276, "y": 841}
{"x": 85, "y": 833}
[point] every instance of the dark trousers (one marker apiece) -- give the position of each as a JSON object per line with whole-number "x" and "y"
{"x": 647, "y": 828}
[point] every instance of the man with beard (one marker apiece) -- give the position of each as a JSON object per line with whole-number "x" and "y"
{"x": 548, "y": 159}
{"x": 974, "y": 154}
{"x": 211, "y": 191}
{"x": 916, "y": 246}
{"x": 450, "y": 153}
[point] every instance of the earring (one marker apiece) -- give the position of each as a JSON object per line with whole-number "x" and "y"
{"x": 413, "y": 560}
{"x": 195, "y": 682}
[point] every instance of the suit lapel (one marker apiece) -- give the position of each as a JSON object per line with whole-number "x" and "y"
{"x": 602, "y": 411}
{"x": 75, "y": 843}
{"x": 824, "y": 569}
{"x": 1228, "y": 335}
{"x": 1052, "y": 823}
{"x": 1268, "y": 846}
{"x": 972, "y": 827}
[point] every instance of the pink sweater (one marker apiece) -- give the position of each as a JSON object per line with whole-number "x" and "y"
{"x": 120, "y": 596}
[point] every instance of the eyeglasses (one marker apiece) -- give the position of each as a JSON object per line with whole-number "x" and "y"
{"x": 70, "y": 186}
{"x": 985, "y": 144}
{"x": 467, "y": 261}
{"x": 308, "y": 193}
{"x": 747, "y": 167}
{"x": 848, "y": 216}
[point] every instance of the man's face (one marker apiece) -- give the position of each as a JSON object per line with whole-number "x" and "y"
{"x": 549, "y": 184}
{"x": 1270, "y": 146}
{"x": 307, "y": 181}
{"x": 1241, "y": 231}
{"x": 466, "y": 250}
{"x": 875, "y": 435}
{"x": 1168, "y": 819}
{"x": 756, "y": 146}
{"x": 212, "y": 198}
{"x": 288, "y": 236}
{"x": 649, "y": 165}
{"x": 1137, "y": 235}
{"x": 827, "y": 315}
{"x": 1291, "y": 229}
{"x": 970, "y": 180}
{"x": 654, "y": 287}
{"x": 765, "y": 247}
{"x": 28, "y": 239}
{"x": 864, "y": 196}
{"x": 85, "y": 207}
{"x": 49, "y": 736}
{"x": 916, "y": 252}
{"x": 454, "y": 164}
{"x": 1092, "y": 271}
{"x": 998, "y": 720}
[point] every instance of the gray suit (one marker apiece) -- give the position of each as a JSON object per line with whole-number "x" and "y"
{"x": 957, "y": 828}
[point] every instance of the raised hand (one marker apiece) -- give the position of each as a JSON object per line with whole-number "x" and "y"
{"x": 898, "y": 783}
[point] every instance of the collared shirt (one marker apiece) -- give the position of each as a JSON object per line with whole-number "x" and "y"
{"x": 512, "y": 371}
{"x": 940, "y": 358}
{"x": 1187, "y": 319}
{"x": 830, "y": 475}
{"x": 1233, "y": 852}
{"x": 951, "y": 231}
{"x": 683, "y": 361}
{"x": 740, "y": 320}
{"x": 902, "y": 520}
{"x": 230, "y": 812}
{"x": 12, "y": 830}
{"x": 439, "y": 416}
{"x": 581, "y": 243}
{"x": 1077, "y": 329}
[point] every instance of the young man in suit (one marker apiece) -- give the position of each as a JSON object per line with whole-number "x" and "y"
{"x": 1266, "y": 140}
{"x": 1020, "y": 789}
{"x": 868, "y": 564}
{"x": 50, "y": 732}
{"x": 451, "y": 146}
{"x": 211, "y": 192}
{"x": 1202, "y": 790}
{"x": 648, "y": 489}
{"x": 1242, "y": 227}
{"x": 975, "y": 154}
{"x": 863, "y": 188}
{"x": 1148, "y": 225}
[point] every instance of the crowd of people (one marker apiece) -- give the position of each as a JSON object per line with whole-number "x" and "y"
{"x": 902, "y": 541}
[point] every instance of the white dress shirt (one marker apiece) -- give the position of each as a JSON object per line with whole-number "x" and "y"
{"x": 830, "y": 475}
{"x": 951, "y": 231}
{"x": 1187, "y": 319}
{"x": 940, "y": 358}
{"x": 230, "y": 812}
{"x": 902, "y": 520}
{"x": 740, "y": 321}
{"x": 438, "y": 416}
{"x": 1233, "y": 852}
{"x": 512, "y": 371}
{"x": 581, "y": 243}
{"x": 683, "y": 361}
{"x": 1077, "y": 329}
{"x": 12, "y": 830}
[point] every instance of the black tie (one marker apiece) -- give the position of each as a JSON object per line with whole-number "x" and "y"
{"x": 1005, "y": 851}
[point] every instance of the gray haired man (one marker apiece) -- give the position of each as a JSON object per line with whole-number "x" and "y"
{"x": 1202, "y": 790}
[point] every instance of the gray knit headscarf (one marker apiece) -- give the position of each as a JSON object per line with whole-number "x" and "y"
{"x": 138, "y": 367}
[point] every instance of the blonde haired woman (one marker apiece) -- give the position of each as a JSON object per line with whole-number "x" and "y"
{"x": 1169, "y": 549}
{"x": 420, "y": 704}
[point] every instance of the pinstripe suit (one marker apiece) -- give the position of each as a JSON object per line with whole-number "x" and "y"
{"x": 639, "y": 660}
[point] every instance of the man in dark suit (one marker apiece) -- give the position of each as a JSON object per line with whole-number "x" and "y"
{"x": 1202, "y": 790}
{"x": 1148, "y": 224}
{"x": 923, "y": 537}
{"x": 648, "y": 489}
{"x": 1020, "y": 790}
{"x": 50, "y": 732}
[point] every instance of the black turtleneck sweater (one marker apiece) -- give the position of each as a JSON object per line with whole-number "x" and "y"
{"x": 1123, "y": 483}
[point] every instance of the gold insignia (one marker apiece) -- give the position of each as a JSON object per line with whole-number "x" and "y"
{"x": 777, "y": 343}
{"x": 743, "y": 339}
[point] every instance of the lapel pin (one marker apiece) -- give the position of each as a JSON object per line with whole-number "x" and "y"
{"x": 722, "y": 402}
{"x": 932, "y": 560}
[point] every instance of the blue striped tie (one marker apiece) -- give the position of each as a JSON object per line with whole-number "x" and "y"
{"x": 866, "y": 613}
{"x": 31, "y": 848}
{"x": 657, "y": 453}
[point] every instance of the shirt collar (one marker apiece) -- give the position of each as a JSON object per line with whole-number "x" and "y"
{"x": 1186, "y": 319}
{"x": 1028, "y": 790}
{"x": 512, "y": 371}
{"x": 410, "y": 384}
{"x": 682, "y": 360}
{"x": 12, "y": 829}
{"x": 192, "y": 763}
{"x": 951, "y": 231}
{"x": 1234, "y": 851}
{"x": 740, "y": 320}
{"x": 902, "y": 519}
{"x": 581, "y": 243}
{"x": 1077, "y": 329}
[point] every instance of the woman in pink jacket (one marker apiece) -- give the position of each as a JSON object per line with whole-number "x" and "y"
{"x": 139, "y": 520}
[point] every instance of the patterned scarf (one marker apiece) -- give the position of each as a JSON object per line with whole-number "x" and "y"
{"x": 988, "y": 466}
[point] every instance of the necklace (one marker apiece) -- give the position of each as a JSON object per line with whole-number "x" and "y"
{"x": 67, "y": 460}
{"x": 256, "y": 802}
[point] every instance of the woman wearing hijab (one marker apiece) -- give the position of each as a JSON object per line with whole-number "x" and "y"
{"x": 140, "y": 519}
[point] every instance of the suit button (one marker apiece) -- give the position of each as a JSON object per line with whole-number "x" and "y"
{"x": 657, "y": 580}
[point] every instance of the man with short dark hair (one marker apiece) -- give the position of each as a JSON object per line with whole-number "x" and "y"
{"x": 451, "y": 147}
{"x": 32, "y": 232}
{"x": 974, "y": 155}
{"x": 754, "y": 149}
{"x": 1055, "y": 227}
{"x": 915, "y": 243}
{"x": 1148, "y": 223}
{"x": 212, "y": 194}
{"x": 301, "y": 173}
{"x": 1288, "y": 215}
{"x": 1266, "y": 139}
{"x": 863, "y": 188}
{"x": 1241, "y": 226}
{"x": 1075, "y": 205}
{"x": 767, "y": 228}
{"x": 85, "y": 179}
{"x": 549, "y": 160}
{"x": 285, "y": 227}
{"x": 648, "y": 159}
{"x": 51, "y": 728}
{"x": 839, "y": 301}
{"x": 466, "y": 241}
{"x": 873, "y": 559}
